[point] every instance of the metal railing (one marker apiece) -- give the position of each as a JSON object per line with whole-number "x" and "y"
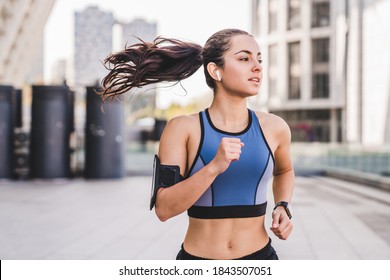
{"x": 317, "y": 156}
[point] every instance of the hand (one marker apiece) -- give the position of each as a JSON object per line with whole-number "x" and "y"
{"x": 229, "y": 150}
{"x": 281, "y": 224}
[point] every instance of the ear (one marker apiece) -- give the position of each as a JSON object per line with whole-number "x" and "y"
{"x": 213, "y": 71}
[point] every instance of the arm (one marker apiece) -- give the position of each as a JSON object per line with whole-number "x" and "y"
{"x": 173, "y": 150}
{"x": 283, "y": 183}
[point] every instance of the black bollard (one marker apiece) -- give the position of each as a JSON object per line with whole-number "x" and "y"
{"x": 49, "y": 140}
{"x": 104, "y": 147}
{"x": 18, "y": 109}
{"x": 6, "y": 131}
{"x": 158, "y": 129}
{"x": 21, "y": 136}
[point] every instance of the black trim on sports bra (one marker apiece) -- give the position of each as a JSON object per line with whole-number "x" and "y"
{"x": 222, "y": 212}
{"x": 199, "y": 147}
{"x": 266, "y": 142}
{"x": 227, "y": 132}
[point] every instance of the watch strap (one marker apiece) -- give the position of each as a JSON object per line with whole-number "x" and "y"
{"x": 284, "y": 204}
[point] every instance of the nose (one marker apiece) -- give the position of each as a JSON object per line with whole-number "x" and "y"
{"x": 257, "y": 66}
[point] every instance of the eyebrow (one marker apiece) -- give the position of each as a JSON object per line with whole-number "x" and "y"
{"x": 247, "y": 52}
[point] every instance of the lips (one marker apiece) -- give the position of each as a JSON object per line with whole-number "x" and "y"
{"x": 254, "y": 80}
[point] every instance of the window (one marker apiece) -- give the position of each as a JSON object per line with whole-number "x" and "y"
{"x": 320, "y": 73}
{"x": 256, "y": 17}
{"x": 272, "y": 70}
{"x": 294, "y": 72}
{"x": 320, "y": 15}
{"x": 308, "y": 125}
{"x": 294, "y": 14}
{"x": 320, "y": 84}
{"x": 273, "y": 16}
{"x": 321, "y": 50}
{"x": 294, "y": 88}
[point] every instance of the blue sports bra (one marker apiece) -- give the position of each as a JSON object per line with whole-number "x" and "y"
{"x": 241, "y": 191}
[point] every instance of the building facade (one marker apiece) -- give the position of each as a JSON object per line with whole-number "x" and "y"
{"x": 21, "y": 40}
{"x": 138, "y": 28}
{"x": 92, "y": 43}
{"x": 327, "y": 68}
{"x": 94, "y": 40}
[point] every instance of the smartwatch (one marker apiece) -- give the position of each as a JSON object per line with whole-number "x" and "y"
{"x": 284, "y": 204}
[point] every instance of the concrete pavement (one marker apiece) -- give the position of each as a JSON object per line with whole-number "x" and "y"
{"x": 110, "y": 219}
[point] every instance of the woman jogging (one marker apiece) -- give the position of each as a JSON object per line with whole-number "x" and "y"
{"x": 226, "y": 154}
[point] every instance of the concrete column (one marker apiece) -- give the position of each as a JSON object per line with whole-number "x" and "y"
{"x": 306, "y": 52}
{"x": 354, "y": 74}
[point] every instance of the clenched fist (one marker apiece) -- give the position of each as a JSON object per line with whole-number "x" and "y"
{"x": 229, "y": 150}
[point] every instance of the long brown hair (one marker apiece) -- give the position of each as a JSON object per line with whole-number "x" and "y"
{"x": 163, "y": 60}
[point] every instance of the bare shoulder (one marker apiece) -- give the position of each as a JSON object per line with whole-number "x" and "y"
{"x": 183, "y": 122}
{"x": 181, "y": 125}
{"x": 274, "y": 124}
{"x": 177, "y": 135}
{"x": 184, "y": 119}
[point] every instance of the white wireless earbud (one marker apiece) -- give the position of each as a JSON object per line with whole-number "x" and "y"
{"x": 218, "y": 75}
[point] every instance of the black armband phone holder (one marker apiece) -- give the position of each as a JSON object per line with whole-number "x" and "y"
{"x": 163, "y": 176}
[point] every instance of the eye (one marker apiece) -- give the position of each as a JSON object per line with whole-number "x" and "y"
{"x": 244, "y": 59}
{"x": 260, "y": 61}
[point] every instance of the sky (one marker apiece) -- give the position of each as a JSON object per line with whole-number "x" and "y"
{"x": 193, "y": 20}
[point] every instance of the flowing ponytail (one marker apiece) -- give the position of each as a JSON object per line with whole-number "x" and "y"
{"x": 163, "y": 60}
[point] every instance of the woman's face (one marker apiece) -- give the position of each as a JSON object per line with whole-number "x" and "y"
{"x": 242, "y": 72}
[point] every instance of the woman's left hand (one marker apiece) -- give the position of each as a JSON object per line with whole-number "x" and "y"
{"x": 281, "y": 224}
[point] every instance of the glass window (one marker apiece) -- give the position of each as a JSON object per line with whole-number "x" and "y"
{"x": 320, "y": 68}
{"x": 320, "y": 15}
{"x": 293, "y": 53}
{"x": 320, "y": 84}
{"x": 339, "y": 125}
{"x": 256, "y": 15}
{"x": 272, "y": 86}
{"x": 294, "y": 73}
{"x": 273, "y": 16}
{"x": 272, "y": 70}
{"x": 321, "y": 50}
{"x": 294, "y": 14}
{"x": 273, "y": 54}
{"x": 307, "y": 125}
{"x": 294, "y": 91}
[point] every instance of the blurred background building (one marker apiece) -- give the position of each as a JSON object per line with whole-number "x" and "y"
{"x": 93, "y": 38}
{"x": 137, "y": 28}
{"x": 21, "y": 40}
{"x": 328, "y": 67}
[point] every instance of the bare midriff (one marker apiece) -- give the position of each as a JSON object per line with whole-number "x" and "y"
{"x": 225, "y": 238}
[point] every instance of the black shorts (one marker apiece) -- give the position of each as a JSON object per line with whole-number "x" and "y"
{"x": 266, "y": 253}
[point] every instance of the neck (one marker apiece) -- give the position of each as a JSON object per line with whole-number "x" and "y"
{"x": 226, "y": 110}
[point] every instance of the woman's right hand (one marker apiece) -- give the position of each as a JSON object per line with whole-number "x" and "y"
{"x": 229, "y": 150}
